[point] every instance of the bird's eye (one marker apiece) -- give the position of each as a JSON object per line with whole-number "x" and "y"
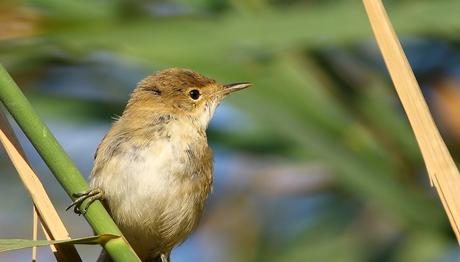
{"x": 194, "y": 94}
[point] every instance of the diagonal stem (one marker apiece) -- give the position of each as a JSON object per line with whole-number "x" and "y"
{"x": 439, "y": 163}
{"x": 42, "y": 204}
{"x": 60, "y": 164}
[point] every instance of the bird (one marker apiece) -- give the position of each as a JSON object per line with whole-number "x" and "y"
{"x": 153, "y": 170}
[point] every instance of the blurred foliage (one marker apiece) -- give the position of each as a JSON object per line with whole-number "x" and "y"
{"x": 316, "y": 98}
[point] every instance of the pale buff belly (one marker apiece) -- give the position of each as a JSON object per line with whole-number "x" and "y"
{"x": 152, "y": 196}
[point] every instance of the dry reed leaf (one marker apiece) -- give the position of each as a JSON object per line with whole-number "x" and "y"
{"x": 51, "y": 221}
{"x": 36, "y": 222}
{"x": 440, "y": 165}
{"x": 34, "y": 232}
{"x": 48, "y": 237}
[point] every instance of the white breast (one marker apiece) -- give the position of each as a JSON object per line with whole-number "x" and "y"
{"x": 149, "y": 198}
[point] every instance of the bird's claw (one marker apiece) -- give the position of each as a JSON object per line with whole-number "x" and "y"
{"x": 90, "y": 195}
{"x": 164, "y": 258}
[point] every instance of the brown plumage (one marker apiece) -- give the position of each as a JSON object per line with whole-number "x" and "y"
{"x": 153, "y": 169}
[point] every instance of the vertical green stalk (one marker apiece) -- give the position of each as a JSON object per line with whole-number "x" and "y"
{"x": 60, "y": 164}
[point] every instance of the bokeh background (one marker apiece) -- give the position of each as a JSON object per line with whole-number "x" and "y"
{"x": 315, "y": 162}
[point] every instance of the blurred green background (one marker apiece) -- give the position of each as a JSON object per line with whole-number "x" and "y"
{"x": 315, "y": 162}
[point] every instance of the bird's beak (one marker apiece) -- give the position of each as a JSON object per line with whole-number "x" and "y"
{"x": 230, "y": 88}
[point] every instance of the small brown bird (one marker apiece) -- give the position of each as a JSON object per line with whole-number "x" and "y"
{"x": 153, "y": 169}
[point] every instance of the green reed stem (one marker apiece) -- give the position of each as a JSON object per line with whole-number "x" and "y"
{"x": 60, "y": 164}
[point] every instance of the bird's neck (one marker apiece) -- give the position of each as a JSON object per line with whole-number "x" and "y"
{"x": 161, "y": 123}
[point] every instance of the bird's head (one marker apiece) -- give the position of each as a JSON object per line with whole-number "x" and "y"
{"x": 181, "y": 92}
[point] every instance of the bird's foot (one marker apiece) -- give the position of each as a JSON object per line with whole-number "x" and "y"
{"x": 90, "y": 195}
{"x": 164, "y": 258}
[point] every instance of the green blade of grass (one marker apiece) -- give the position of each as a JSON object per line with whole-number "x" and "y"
{"x": 14, "y": 244}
